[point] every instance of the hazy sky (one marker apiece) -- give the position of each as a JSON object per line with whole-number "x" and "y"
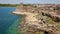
{"x": 29, "y": 1}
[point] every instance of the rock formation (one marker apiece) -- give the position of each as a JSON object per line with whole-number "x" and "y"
{"x": 52, "y": 15}
{"x": 35, "y": 22}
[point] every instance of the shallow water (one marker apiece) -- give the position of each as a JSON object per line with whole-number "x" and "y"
{"x": 8, "y": 21}
{"x": 13, "y": 29}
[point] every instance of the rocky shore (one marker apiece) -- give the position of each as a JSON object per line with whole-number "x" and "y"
{"x": 35, "y": 21}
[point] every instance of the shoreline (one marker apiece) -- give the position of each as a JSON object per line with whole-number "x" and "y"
{"x": 34, "y": 22}
{"x": 7, "y": 7}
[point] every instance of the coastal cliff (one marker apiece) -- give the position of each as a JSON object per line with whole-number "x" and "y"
{"x": 38, "y": 21}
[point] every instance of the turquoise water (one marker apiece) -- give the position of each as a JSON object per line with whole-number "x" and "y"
{"x": 8, "y": 21}
{"x": 13, "y": 29}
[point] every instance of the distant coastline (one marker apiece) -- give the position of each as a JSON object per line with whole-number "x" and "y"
{"x": 9, "y": 5}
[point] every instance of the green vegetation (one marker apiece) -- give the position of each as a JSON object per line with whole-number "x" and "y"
{"x": 14, "y": 5}
{"x": 8, "y": 5}
{"x": 48, "y": 20}
{"x": 29, "y": 5}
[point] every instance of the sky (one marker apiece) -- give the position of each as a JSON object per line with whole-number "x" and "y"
{"x": 29, "y": 1}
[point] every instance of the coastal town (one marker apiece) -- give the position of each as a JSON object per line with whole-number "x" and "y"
{"x": 39, "y": 18}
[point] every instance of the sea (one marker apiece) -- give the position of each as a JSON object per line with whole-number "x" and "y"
{"x": 8, "y": 21}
